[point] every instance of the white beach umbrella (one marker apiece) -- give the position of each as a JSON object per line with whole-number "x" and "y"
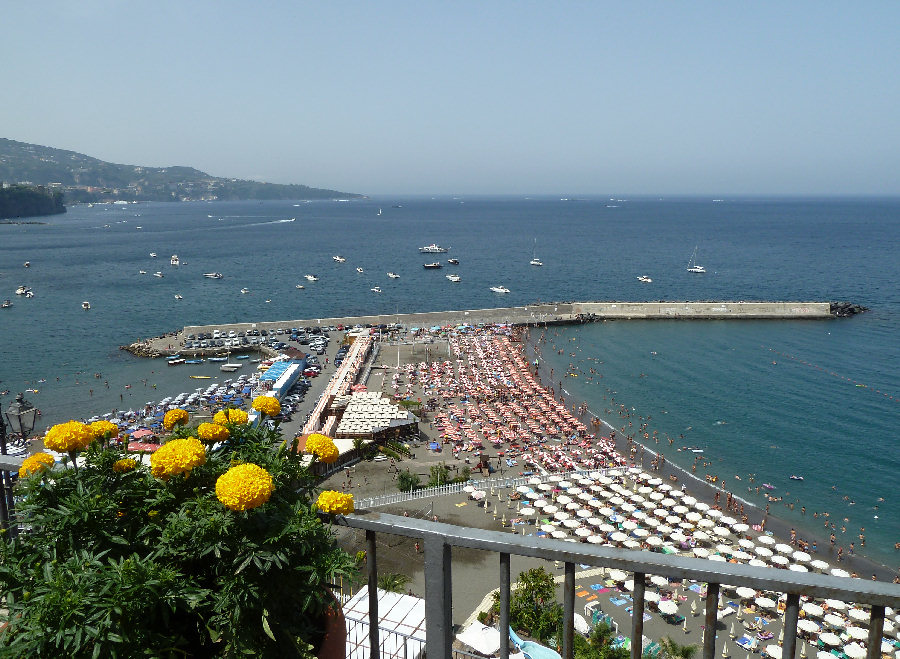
{"x": 540, "y": 503}
{"x": 548, "y": 528}
{"x": 859, "y": 633}
{"x": 854, "y": 651}
{"x": 702, "y": 507}
{"x": 657, "y": 496}
{"x": 585, "y": 496}
{"x": 654, "y": 541}
{"x": 595, "y": 539}
{"x": 801, "y": 556}
{"x": 741, "y": 556}
{"x": 617, "y": 501}
{"x": 527, "y": 512}
{"x": 571, "y": 523}
{"x": 765, "y": 602}
{"x": 700, "y": 552}
{"x": 545, "y": 487}
{"x": 605, "y": 480}
{"x": 668, "y": 502}
{"x": 745, "y": 593}
{"x": 665, "y": 529}
{"x": 689, "y": 500}
{"x": 746, "y": 544}
{"x": 755, "y": 562}
{"x": 631, "y": 544}
{"x": 717, "y": 557}
{"x": 819, "y": 565}
{"x": 700, "y": 536}
{"x": 523, "y": 489}
{"x": 793, "y": 567}
{"x": 565, "y": 484}
{"x": 628, "y": 507}
{"x": 721, "y": 531}
{"x": 740, "y": 527}
{"x": 665, "y": 487}
{"x": 655, "y": 482}
{"x": 652, "y": 522}
{"x": 859, "y": 615}
{"x": 595, "y": 521}
{"x": 561, "y": 516}
{"x": 680, "y": 510}
{"x": 650, "y": 596}
{"x": 572, "y": 507}
{"x": 574, "y": 491}
{"x": 836, "y": 605}
{"x": 808, "y": 625}
{"x": 644, "y": 489}
{"x": 618, "y": 575}
{"x": 640, "y": 533}
{"x": 678, "y": 536}
{"x": 629, "y": 585}
{"x": 596, "y": 488}
{"x": 661, "y": 513}
{"x": 668, "y": 607}
{"x": 584, "y": 514}
{"x": 726, "y": 520}
{"x": 830, "y": 639}
{"x": 563, "y": 499}
{"x": 468, "y": 489}
{"x": 812, "y": 609}
{"x": 629, "y": 525}
{"x": 781, "y": 560}
{"x": 559, "y": 535}
{"x": 834, "y": 620}
{"x": 583, "y": 532}
{"x": 618, "y": 536}
{"x": 766, "y": 540}
{"x": 639, "y": 514}
{"x": 782, "y": 548}
{"x": 693, "y": 517}
{"x": 549, "y": 510}
{"x": 763, "y": 551}
{"x": 838, "y": 572}
{"x": 706, "y": 523}
{"x": 606, "y": 528}
{"x": 659, "y": 581}
{"x": 774, "y": 651}
{"x": 532, "y": 495}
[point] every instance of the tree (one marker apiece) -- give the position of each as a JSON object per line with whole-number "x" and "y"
{"x": 408, "y": 481}
{"x": 670, "y": 649}
{"x": 533, "y": 606}
{"x": 393, "y": 582}
{"x": 440, "y": 475}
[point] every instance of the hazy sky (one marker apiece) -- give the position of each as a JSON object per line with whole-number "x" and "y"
{"x": 470, "y": 96}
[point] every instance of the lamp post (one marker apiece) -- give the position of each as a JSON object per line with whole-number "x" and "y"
{"x": 20, "y": 416}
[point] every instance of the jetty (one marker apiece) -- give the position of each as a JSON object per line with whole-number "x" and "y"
{"x": 557, "y": 313}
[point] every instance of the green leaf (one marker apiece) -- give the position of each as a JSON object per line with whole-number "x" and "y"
{"x": 265, "y": 624}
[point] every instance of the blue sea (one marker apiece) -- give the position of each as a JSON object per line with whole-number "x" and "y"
{"x": 763, "y": 400}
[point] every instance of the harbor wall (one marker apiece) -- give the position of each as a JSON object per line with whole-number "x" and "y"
{"x": 703, "y": 310}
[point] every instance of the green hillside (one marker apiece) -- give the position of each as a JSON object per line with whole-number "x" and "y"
{"x": 24, "y": 201}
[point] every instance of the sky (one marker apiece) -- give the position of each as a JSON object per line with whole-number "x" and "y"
{"x": 469, "y": 97}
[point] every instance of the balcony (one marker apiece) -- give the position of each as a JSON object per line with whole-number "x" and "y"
{"x": 438, "y": 541}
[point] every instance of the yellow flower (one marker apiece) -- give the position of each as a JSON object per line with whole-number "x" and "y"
{"x": 335, "y": 503}
{"x": 230, "y": 415}
{"x": 178, "y": 456}
{"x": 267, "y": 405}
{"x": 35, "y": 464}
{"x": 244, "y": 487}
{"x": 175, "y": 418}
{"x": 212, "y": 432}
{"x": 124, "y": 465}
{"x": 68, "y": 436}
{"x": 322, "y": 447}
{"x": 104, "y": 429}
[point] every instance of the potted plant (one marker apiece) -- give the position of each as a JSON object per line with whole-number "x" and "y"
{"x": 215, "y": 547}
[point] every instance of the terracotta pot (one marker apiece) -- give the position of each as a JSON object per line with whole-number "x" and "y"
{"x": 334, "y": 643}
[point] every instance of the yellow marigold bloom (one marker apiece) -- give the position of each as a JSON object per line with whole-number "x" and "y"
{"x": 104, "y": 429}
{"x": 267, "y": 405}
{"x": 322, "y": 447}
{"x": 335, "y": 503}
{"x": 35, "y": 464}
{"x": 212, "y": 432}
{"x": 68, "y": 436}
{"x": 230, "y": 415}
{"x": 175, "y": 418}
{"x": 178, "y": 456}
{"x": 126, "y": 464}
{"x": 244, "y": 487}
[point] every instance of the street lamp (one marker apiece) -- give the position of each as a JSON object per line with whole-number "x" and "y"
{"x": 21, "y": 416}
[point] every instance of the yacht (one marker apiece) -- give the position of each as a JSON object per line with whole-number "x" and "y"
{"x": 534, "y": 259}
{"x": 229, "y": 367}
{"x": 22, "y": 290}
{"x": 453, "y": 261}
{"x": 500, "y": 289}
{"x": 433, "y": 248}
{"x": 152, "y": 255}
{"x": 244, "y": 291}
{"x": 376, "y": 289}
{"x": 453, "y": 278}
{"x": 86, "y": 305}
{"x": 213, "y": 275}
{"x": 158, "y": 274}
{"x": 142, "y": 272}
{"x": 6, "y": 304}
{"x": 359, "y": 270}
{"x": 311, "y": 278}
{"x": 432, "y": 266}
{"x": 393, "y": 275}
{"x": 693, "y": 266}
{"x": 174, "y": 260}
{"x": 300, "y": 286}
{"x": 339, "y": 259}
{"x": 535, "y": 262}
{"x": 645, "y": 279}
{"x": 178, "y": 297}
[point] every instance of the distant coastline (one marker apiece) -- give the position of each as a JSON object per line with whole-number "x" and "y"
{"x": 17, "y": 201}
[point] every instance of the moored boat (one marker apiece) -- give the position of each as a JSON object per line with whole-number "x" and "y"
{"x": 393, "y": 275}
{"x": 432, "y": 266}
{"x": 454, "y": 278}
{"x": 6, "y": 304}
{"x": 500, "y": 289}
{"x": 433, "y": 248}
{"x": 213, "y": 275}
{"x": 86, "y": 305}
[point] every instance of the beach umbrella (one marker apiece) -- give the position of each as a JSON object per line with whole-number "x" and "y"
{"x": 854, "y": 651}
{"x": 797, "y": 568}
{"x": 763, "y": 551}
{"x": 781, "y": 560}
{"x": 664, "y": 529}
{"x": 700, "y": 536}
{"x": 668, "y": 502}
{"x": 678, "y": 536}
{"x": 618, "y": 536}
{"x": 859, "y": 615}
{"x": 830, "y": 639}
{"x": 740, "y": 528}
{"x": 561, "y": 516}
{"x": 659, "y": 581}
{"x": 834, "y": 620}
{"x": 746, "y": 544}
{"x": 801, "y": 556}
{"x": 585, "y": 496}
{"x": 858, "y": 633}
{"x": 629, "y": 585}
{"x": 572, "y": 507}
{"x": 819, "y": 565}
{"x": 574, "y": 491}
{"x": 808, "y": 625}
{"x": 718, "y": 557}
{"x": 837, "y": 605}
{"x": 532, "y": 495}
{"x": 652, "y": 522}
{"x": 650, "y": 596}
{"x": 631, "y": 544}
{"x": 680, "y": 510}
{"x": 628, "y": 507}
{"x": 548, "y": 528}
{"x": 782, "y": 548}
{"x": 812, "y": 609}
{"x": 640, "y": 533}
{"x": 606, "y": 528}
{"x": 644, "y": 489}
{"x": 584, "y": 514}
{"x": 527, "y": 512}
{"x": 654, "y": 541}
{"x": 702, "y": 507}
{"x": 565, "y": 485}
{"x": 629, "y": 525}
{"x": 657, "y": 496}
{"x": 469, "y": 489}
{"x": 706, "y": 524}
{"x": 774, "y": 651}
{"x": 617, "y": 501}
{"x": 838, "y": 572}
{"x": 765, "y": 602}
{"x": 595, "y": 539}
{"x": 559, "y": 535}
{"x": 700, "y": 552}
{"x": 668, "y": 607}
{"x": 721, "y": 531}
{"x": 595, "y": 521}
{"x": 661, "y": 513}
{"x": 571, "y": 523}
{"x": 689, "y": 500}
{"x": 693, "y": 517}
{"x": 563, "y": 500}
{"x": 766, "y": 540}
{"x": 618, "y": 575}
{"x": 741, "y": 556}
{"x": 745, "y": 593}
{"x": 639, "y": 514}
{"x": 523, "y": 489}
{"x": 540, "y": 503}
{"x": 583, "y": 532}
{"x": 725, "y": 520}
{"x": 549, "y": 510}
{"x": 545, "y": 487}
{"x": 605, "y": 480}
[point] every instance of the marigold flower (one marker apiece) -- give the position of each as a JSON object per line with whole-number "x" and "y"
{"x": 124, "y": 465}
{"x": 267, "y": 405}
{"x": 35, "y": 464}
{"x": 335, "y": 503}
{"x": 322, "y": 447}
{"x": 213, "y": 432}
{"x": 244, "y": 487}
{"x": 230, "y": 415}
{"x": 175, "y": 418}
{"x": 104, "y": 429}
{"x": 68, "y": 436}
{"x": 178, "y": 456}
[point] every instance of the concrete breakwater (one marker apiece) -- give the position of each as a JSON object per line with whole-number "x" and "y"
{"x": 547, "y": 313}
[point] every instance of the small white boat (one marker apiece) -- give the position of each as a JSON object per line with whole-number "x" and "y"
{"x": 244, "y": 291}
{"x": 379, "y": 211}
{"x": 645, "y": 279}
{"x": 376, "y": 289}
{"x": 500, "y": 289}
{"x": 27, "y": 264}
{"x": 534, "y": 259}
{"x": 339, "y": 259}
{"x": 142, "y": 272}
{"x": 22, "y": 290}
{"x": 433, "y": 248}
{"x": 692, "y": 265}
{"x": 393, "y": 275}
{"x": 174, "y": 260}
{"x": 230, "y": 367}
{"x": 158, "y": 274}
{"x": 432, "y": 266}
{"x": 300, "y": 286}
{"x": 535, "y": 262}
{"x": 453, "y": 261}
{"x": 311, "y": 278}
{"x": 454, "y": 278}
{"x": 267, "y": 301}
{"x": 359, "y": 270}
{"x": 85, "y": 305}
{"x": 213, "y": 275}
{"x": 6, "y": 304}
{"x": 152, "y": 255}
{"x": 178, "y": 297}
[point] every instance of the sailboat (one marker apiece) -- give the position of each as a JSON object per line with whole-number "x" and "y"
{"x": 534, "y": 259}
{"x": 693, "y": 266}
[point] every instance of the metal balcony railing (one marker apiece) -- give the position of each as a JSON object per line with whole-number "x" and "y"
{"x": 438, "y": 539}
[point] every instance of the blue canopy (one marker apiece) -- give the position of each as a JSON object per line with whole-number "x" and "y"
{"x": 433, "y": 446}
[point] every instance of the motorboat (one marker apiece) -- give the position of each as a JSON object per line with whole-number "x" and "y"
{"x": 176, "y": 362}
{"x": 142, "y": 272}
{"x": 453, "y": 261}
{"x": 794, "y": 477}
{"x": 158, "y": 274}
{"x": 500, "y": 289}
{"x": 393, "y": 275}
{"x": 174, "y": 260}
{"x": 27, "y": 264}
{"x": 178, "y": 297}
{"x": 6, "y": 304}
{"x": 312, "y": 278}
{"x": 645, "y": 279}
{"x": 300, "y": 286}
{"x": 693, "y": 266}
{"x": 339, "y": 259}
{"x": 230, "y": 367}
{"x": 359, "y": 270}
{"x": 29, "y": 293}
{"x": 152, "y": 255}
{"x": 244, "y": 291}
{"x": 433, "y": 248}
{"x": 22, "y": 290}
{"x": 454, "y": 278}
{"x": 432, "y": 266}
{"x": 534, "y": 259}
{"x": 376, "y": 289}
{"x": 86, "y": 305}
{"x": 213, "y": 275}
{"x": 536, "y": 262}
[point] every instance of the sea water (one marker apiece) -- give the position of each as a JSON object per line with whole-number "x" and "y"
{"x": 770, "y": 398}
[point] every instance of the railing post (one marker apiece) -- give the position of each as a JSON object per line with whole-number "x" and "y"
{"x": 876, "y": 631}
{"x": 438, "y": 598}
{"x": 568, "y": 638}
{"x": 504, "y": 606}
{"x": 709, "y": 629}
{"x": 637, "y": 617}
{"x": 791, "y": 613}
{"x": 371, "y": 562}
